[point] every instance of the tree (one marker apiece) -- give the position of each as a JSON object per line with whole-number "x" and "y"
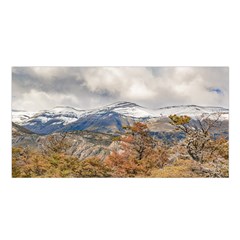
{"x": 124, "y": 165}
{"x": 198, "y": 135}
{"x": 138, "y": 137}
{"x": 138, "y": 155}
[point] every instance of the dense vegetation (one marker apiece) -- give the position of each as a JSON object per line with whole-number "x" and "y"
{"x": 139, "y": 155}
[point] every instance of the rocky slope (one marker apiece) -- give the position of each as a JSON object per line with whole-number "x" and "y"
{"x": 83, "y": 144}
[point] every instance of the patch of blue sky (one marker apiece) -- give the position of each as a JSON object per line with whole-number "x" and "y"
{"x": 216, "y": 90}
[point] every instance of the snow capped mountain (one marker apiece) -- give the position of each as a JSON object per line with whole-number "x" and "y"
{"x": 128, "y": 109}
{"x": 107, "y": 118}
{"x": 20, "y": 116}
{"x": 135, "y": 111}
{"x": 47, "y": 121}
{"x": 61, "y": 114}
{"x": 194, "y": 111}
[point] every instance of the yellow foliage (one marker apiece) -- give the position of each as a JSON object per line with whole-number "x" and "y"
{"x": 93, "y": 167}
{"x": 179, "y": 120}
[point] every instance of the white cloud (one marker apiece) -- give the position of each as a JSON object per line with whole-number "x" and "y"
{"x": 45, "y": 87}
{"x": 35, "y": 100}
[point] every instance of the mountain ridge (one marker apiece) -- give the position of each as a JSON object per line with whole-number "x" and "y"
{"x": 108, "y": 118}
{"x": 126, "y": 102}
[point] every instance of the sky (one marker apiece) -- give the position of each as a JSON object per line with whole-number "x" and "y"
{"x": 41, "y": 88}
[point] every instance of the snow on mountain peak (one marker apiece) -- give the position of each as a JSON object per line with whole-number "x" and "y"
{"x": 65, "y": 114}
{"x": 19, "y": 116}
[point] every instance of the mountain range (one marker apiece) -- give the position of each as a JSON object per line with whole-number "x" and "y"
{"x": 110, "y": 118}
{"x": 92, "y": 132}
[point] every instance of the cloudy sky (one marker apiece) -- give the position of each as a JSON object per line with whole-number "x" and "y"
{"x": 39, "y": 88}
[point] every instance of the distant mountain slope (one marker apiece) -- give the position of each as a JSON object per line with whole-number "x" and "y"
{"x": 48, "y": 121}
{"x": 110, "y": 118}
{"x": 22, "y": 136}
{"x": 107, "y": 122}
{"x": 19, "y": 129}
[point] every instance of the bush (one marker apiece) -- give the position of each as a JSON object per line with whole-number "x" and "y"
{"x": 93, "y": 167}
